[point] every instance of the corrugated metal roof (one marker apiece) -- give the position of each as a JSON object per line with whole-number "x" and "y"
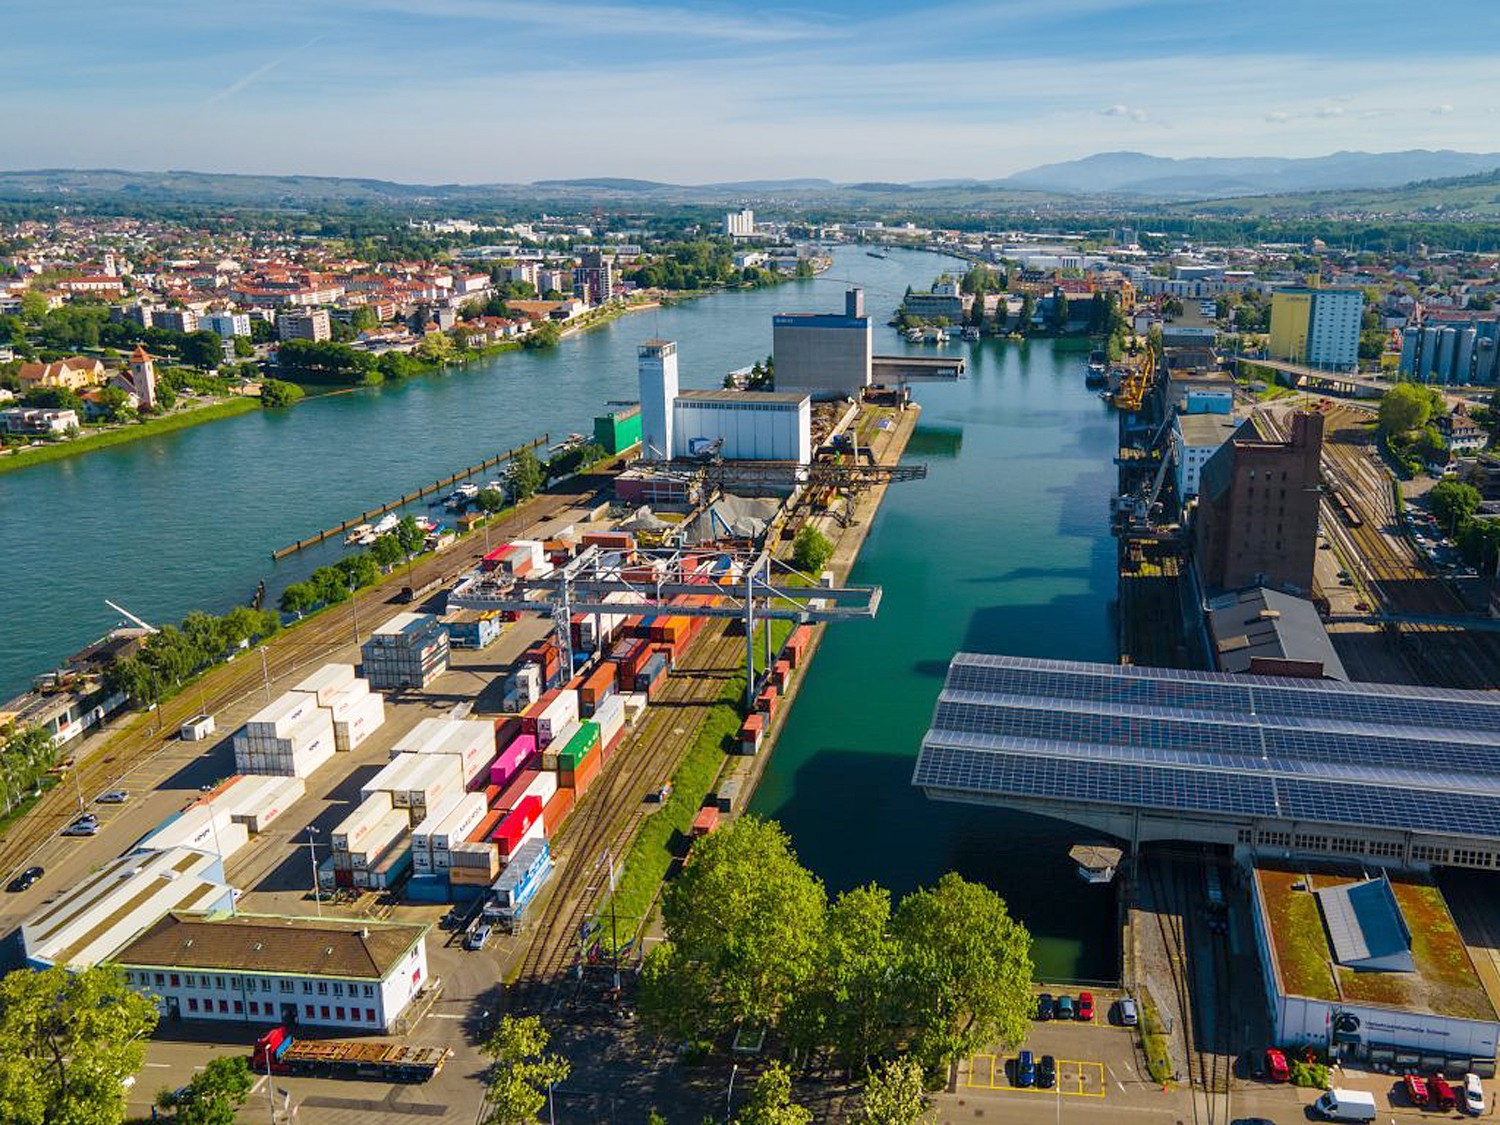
{"x": 1365, "y": 926}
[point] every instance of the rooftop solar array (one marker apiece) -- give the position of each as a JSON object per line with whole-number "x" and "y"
{"x": 1374, "y": 755}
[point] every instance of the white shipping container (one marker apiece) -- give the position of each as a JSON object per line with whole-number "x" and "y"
{"x": 277, "y": 718}
{"x": 564, "y": 736}
{"x": 378, "y": 839}
{"x": 438, "y": 777}
{"x": 421, "y": 862}
{"x": 327, "y": 682}
{"x": 270, "y": 802}
{"x": 352, "y": 830}
{"x": 422, "y": 737}
{"x": 366, "y": 719}
{"x": 341, "y": 703}
{"x": 393, "y": 777}
{"x": 610, "y": 715}
{"x": 559, "y": 713}
{"x": 422, "y": 833}
{"x": 307, "y": 733}
{"x": 462, "y": 819}
{"x": 635, "y": 705}
{"x": 542, "y": 786}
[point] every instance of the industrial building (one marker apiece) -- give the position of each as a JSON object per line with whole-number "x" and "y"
{"x": 1318, "y": 327}
{"x": 1196, "y": 438}
{"x": 348, "y": 974}
{"x": 826, "y": 355}
{"x": 118, "y": 902}
{"x": 1452, "y": 346}
{"x": 1271, "y": 766}
{"x": 618, "y": 430}
{"x": 1267, "y": 633}
{"x": 1342, "y": 972}
{"x": 733, "y": 425}
{"x": 1258, "y": 498}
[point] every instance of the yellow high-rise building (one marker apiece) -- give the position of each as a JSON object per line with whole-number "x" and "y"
{"x": 1291, "y": 324}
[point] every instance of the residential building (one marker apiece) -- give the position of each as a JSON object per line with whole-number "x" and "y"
{"x": 1195, "y": 438}
{"x": 944, "y": 300}
{"x": 826, "y": 355}
{"x": 311, "y": 324}
{"x": 37, "y": 421}
{"x": 739, "y": 224}
{"x": 73, "y": 374}
{"x": 1257, "y": 516}
{"x": 226, "y": 324}
{"x": 1463, "y": 434}
{"x": 594, "y": 280}
{"x": 175, "y": 320}
{"x": 1317, "y": 327}
{"x": 246, "y": 968}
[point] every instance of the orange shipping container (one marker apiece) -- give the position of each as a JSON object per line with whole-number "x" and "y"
{"x": 557, "y": 810}
{"x": 483, "y": 829}
{"x": 580, "y": 778}
{"x": 706, "y": 820}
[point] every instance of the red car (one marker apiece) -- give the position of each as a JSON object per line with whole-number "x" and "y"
{"x": 1443, "y": 1095}
{"x": 1416, "y": 1089}
{"x": 1086, "y": 1007}
{"x": 1276, "y": 1065}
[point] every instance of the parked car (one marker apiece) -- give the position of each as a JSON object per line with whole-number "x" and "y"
{"x": 1276, "y": 1067}
{"x": 1044, "y": 1006}
{"x": 477, "y": 938}
{"x": 25, "y": 880}
{"x": 1129, "y": 1017}
{"x": 1025, "y": 1069}
{"x": 83, "y": 826}
{"x": 113, "y": 797}
{"x": 1046, "y": 1072}
{"x": 1473, "y": 1094}
{"x": 1442, "y": 1094}
{"x": 1086, "y": 1007}
{"x": 1416, "y": 1089}
{"x": 1065, "y": 1008}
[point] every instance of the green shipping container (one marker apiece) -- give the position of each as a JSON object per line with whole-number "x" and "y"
{"x": 578, "y": 746}
{"x": 618, "y": 430}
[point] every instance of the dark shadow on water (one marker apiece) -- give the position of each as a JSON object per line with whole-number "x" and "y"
{"x": 932, "y": 441}
{"x": 885, "y": 830}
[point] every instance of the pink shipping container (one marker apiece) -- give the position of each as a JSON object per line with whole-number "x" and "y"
{"x": 512, "y": 758}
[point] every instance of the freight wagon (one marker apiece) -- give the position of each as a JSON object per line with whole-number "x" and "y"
{"x": 507, "y": 899}
{"x": 279, "y": 1052}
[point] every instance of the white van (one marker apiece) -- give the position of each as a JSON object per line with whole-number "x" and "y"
{"x": 1346, "y": 1105}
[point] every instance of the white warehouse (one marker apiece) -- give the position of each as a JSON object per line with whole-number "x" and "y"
{"x": 754, "y": 426}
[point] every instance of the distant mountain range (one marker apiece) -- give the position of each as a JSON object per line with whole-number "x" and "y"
{"x": 1212, "y": 177}
{"x": 1123, "y": 179}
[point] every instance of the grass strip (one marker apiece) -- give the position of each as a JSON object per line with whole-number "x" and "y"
{"x": 181, "y": 420}
{"x": 1154, "y": 1042}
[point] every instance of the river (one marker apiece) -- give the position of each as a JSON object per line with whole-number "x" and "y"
{"x": 1003, "y": 548}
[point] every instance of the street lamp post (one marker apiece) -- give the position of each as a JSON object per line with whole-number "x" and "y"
{"x": 729, "y": 1100}
{"x": 312, "y": 853}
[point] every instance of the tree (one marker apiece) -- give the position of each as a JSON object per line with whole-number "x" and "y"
{"x": 1028, "y": 311}
{"x": 811, "y": 549}
{"x": 745, "y": 919}
{"x": 526, "y": 474}
{"x": 522, "y": 1071}
{"x": 1406, "y": 406}
{"x": 360, "y": 569}
{"x": 201, "y": 349}
{"x": 894, "y": 1095}
{"x": 278, "y": 392}
{"x": 409, "y": 535}
{"x": 436, "y": 347}
{"x": 68, "y": 1040}
{"x": 386, "y": 550}
{"x": 490, "y": 500}
{"x": 115, "y": 403}
{"x": 771, "y": 1102}
{"x": 1059, "y": 311}
{"x": 330, "y": 585}
{"x": 298, "y": 598}
{"x": 1454, "y": 503}
{"x": 965, "y": 971}
{"x": 214, "y": 1095}
{"x": 33, "y": 307}
{"x": 545, "y": 335}
{"x": 53, "y": 398}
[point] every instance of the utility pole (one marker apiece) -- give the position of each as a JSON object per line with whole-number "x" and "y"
{"x": 354, "y": 609}
{"x": 312, "y": 852}
{"x": 265, "y": 672}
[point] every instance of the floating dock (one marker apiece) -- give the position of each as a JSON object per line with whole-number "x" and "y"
{"x": 411, "y": 497}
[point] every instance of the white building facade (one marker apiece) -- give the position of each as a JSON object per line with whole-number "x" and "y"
{"x": 754, "y": 427}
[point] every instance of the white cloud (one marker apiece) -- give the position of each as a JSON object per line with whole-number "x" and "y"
{"x": 1441, "y": 110}
{"x": 1279, "y": 116}
{"x": 1115, "y": 110}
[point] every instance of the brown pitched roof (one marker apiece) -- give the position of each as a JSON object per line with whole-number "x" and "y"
{"x": 271, "y": 945}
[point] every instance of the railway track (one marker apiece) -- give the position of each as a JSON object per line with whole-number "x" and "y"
{"x": 608, "y": 817}
{"x": 310, "y": 643}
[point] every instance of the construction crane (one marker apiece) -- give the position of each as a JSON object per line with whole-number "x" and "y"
{"x": 146, "y": 625}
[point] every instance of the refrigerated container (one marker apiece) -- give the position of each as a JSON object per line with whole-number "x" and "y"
{"x": 327, "y": 682}
{"x": 351, "y": 832}
{"x": 515, "y": 756}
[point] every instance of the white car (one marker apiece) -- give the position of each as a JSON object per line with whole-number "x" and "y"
{"x": 1473, "y": 1094}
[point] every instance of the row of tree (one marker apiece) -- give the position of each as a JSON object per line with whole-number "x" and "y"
{"x": 331, "y": 585}
{"x": 172, "y": 656}
{"x": 1406, "y": 425}
{"x": 753, "y": 939}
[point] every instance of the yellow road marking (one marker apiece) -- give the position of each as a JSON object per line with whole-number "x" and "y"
{"x": 1082, "y": 1071}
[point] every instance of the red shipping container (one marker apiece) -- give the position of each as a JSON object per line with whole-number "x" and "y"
{"x": 557, "y": 809}
{"x": 796, "y": 644}
{"x": 506, "y": 729}
{"x": 767, "y": 700}
{"x": 706, "y": 820}
{"x": 598, "y": 686}
{"x": 511, "y": 798}
{"x": 781, "y": 674}
{"x": 342, "y": 878}
{"x": 529, "y": 716}
{"x": 483, "y": 829}
{"x": 580, "y": 778}
{"x": 517, "y": 823}
{"x": 612, "y": 540}
{"x": 492, "y": 560}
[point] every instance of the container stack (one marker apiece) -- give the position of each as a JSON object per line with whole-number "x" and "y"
{"x": 290, "y": 737}
{"x": 598, "y": 686}
{"x": 371, "y": 847}
{"x": 431, "y": 839}
{"x": 206, "y": 827}
{"x": 550, "y": 715}
{"x": 525, "y": 875}
{"x": 471, "y": 741}
{"x": 472, "y": 628}
{"x": 257, "y": 801}
{"x": 408, "y": 651}
{"x": 356, "y": 711}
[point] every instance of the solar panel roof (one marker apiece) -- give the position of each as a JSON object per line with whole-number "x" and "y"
{"x": 1425, "y": 760}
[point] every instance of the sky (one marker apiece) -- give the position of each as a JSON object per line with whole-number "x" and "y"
{"x": 475, "y": 91}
